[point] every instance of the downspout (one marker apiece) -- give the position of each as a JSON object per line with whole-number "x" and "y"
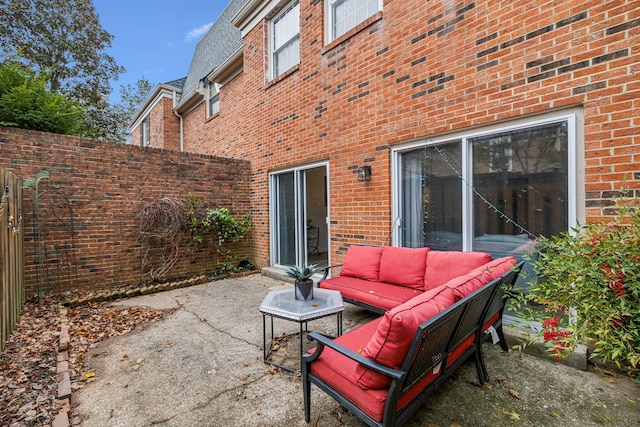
{"x": 181, "y": 122}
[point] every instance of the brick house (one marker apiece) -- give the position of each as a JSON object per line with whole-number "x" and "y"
{"x": 155, "y": 124}
{"x": 467, "y": 125}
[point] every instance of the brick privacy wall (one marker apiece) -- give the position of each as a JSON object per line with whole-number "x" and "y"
{"x": 423, "y": 68}
{"x": 107, "y": 186}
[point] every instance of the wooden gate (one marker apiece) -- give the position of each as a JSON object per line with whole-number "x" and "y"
{"x": 12, "y": 292}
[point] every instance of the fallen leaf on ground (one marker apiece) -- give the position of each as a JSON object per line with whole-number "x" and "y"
{"x": 514, "y": 393}
{"x": 512, "y": 415}
{"x": 212, "y": 372}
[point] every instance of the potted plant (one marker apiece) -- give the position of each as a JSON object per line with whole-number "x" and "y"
{"x": 303, "y": 282}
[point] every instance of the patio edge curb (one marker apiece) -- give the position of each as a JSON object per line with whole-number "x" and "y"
{"x": 62, "y": 371}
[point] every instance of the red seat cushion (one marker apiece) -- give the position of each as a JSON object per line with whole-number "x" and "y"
{"x": 403, "y": 266}
{"x": 376, "y": 294}
{"x": 390, "y": 342}
{"x": 443, "y": 266}
{"x": 460, "y": 349}
{"x": 337, "y": 371}
{"x": 362, "y": 262}
{"x": 491, "y": 321}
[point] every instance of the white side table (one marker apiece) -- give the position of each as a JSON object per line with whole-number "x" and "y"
{"x": 283, "y": 305}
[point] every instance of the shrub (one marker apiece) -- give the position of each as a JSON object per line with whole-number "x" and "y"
{"x": 589, "y": 286}
{"x": 26, "y": 102}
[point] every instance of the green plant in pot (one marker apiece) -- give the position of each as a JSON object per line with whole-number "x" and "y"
{"x": 303, "y": 282}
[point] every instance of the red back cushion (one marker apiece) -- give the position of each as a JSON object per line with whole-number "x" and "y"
{"x": 497, "y": 267}
{"x": 443, "y": 266}
{"x": 391, "y": 341}
{"x": 362, "y": 262}
{"x": 480, "y": 276}
{"x": 466, "y": 284}
{"x": 403, "y": 266}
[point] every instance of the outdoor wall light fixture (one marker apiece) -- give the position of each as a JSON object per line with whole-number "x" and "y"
{"x": 364, "y": 173}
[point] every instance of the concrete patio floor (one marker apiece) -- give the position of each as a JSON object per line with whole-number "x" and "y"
{"x": 202, "y": 366}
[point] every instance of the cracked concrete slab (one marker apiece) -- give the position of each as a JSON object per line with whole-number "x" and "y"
{"x": 202, "y": 366}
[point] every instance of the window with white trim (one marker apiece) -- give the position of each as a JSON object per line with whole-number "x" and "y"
{"x": 213, "y": 99}
{"x": 347, "y": 14}
{"x": 285, "y": 39}
{"x": 494, "y": 191}
{"x": 145, "y": 131}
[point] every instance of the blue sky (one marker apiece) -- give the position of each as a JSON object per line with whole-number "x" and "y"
{"x": 155, "y": 39}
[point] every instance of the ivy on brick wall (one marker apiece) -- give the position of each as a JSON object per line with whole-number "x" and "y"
{"x": 217, "y": 227}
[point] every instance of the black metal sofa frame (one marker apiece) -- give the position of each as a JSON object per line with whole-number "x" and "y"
{"x": 430, "y": 350}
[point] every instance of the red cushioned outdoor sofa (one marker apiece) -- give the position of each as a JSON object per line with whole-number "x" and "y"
{"x": 379, "y": 278}
{"x": 384, "y": 370}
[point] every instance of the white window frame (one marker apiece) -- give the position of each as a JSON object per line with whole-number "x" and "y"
{"x": 213, "y": 99}
{"x": 330, "y": 25}
{"x": 575, "y": 151}
{"x": 299, "y": 209}
{"x": 272, "y": 28}
{"x": 145, "y": 131}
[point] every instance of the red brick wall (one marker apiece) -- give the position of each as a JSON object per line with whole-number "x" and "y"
{"x": 420, "y": 69}
{"x": 225, "y": 128}
{"x": 135, "y": 136}
{"x": 107, "y": 185}
{"x": 164, "y": 127}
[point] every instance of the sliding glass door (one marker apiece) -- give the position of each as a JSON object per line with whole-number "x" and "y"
{"x": 299, "y": 216}
{"x": 285, "y": 219}
{"x": 494, "y": 190}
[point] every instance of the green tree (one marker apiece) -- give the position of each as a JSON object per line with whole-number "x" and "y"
{"x": 111, "y": 123}
{"x": 66, "y": 38}
{"x": 26, "y": 102}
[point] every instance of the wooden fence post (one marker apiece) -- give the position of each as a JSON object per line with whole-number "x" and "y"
{"x": 12, "y": 289}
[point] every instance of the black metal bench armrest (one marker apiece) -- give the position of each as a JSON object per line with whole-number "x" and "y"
{"x": 325, "y": 271}
{"x": 371, "y": 364}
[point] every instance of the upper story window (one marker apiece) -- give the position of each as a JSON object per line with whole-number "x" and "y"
{"x": 285, "y": 39}
{"x": 145, "y": 130}
{"x": 213, "y": 99}
{"x": 347, "y": 14}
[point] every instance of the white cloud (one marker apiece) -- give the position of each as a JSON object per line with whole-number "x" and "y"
{"x": 196, "y": 33}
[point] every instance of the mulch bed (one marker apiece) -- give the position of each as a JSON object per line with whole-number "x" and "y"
{"x": 28, "y": 364}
